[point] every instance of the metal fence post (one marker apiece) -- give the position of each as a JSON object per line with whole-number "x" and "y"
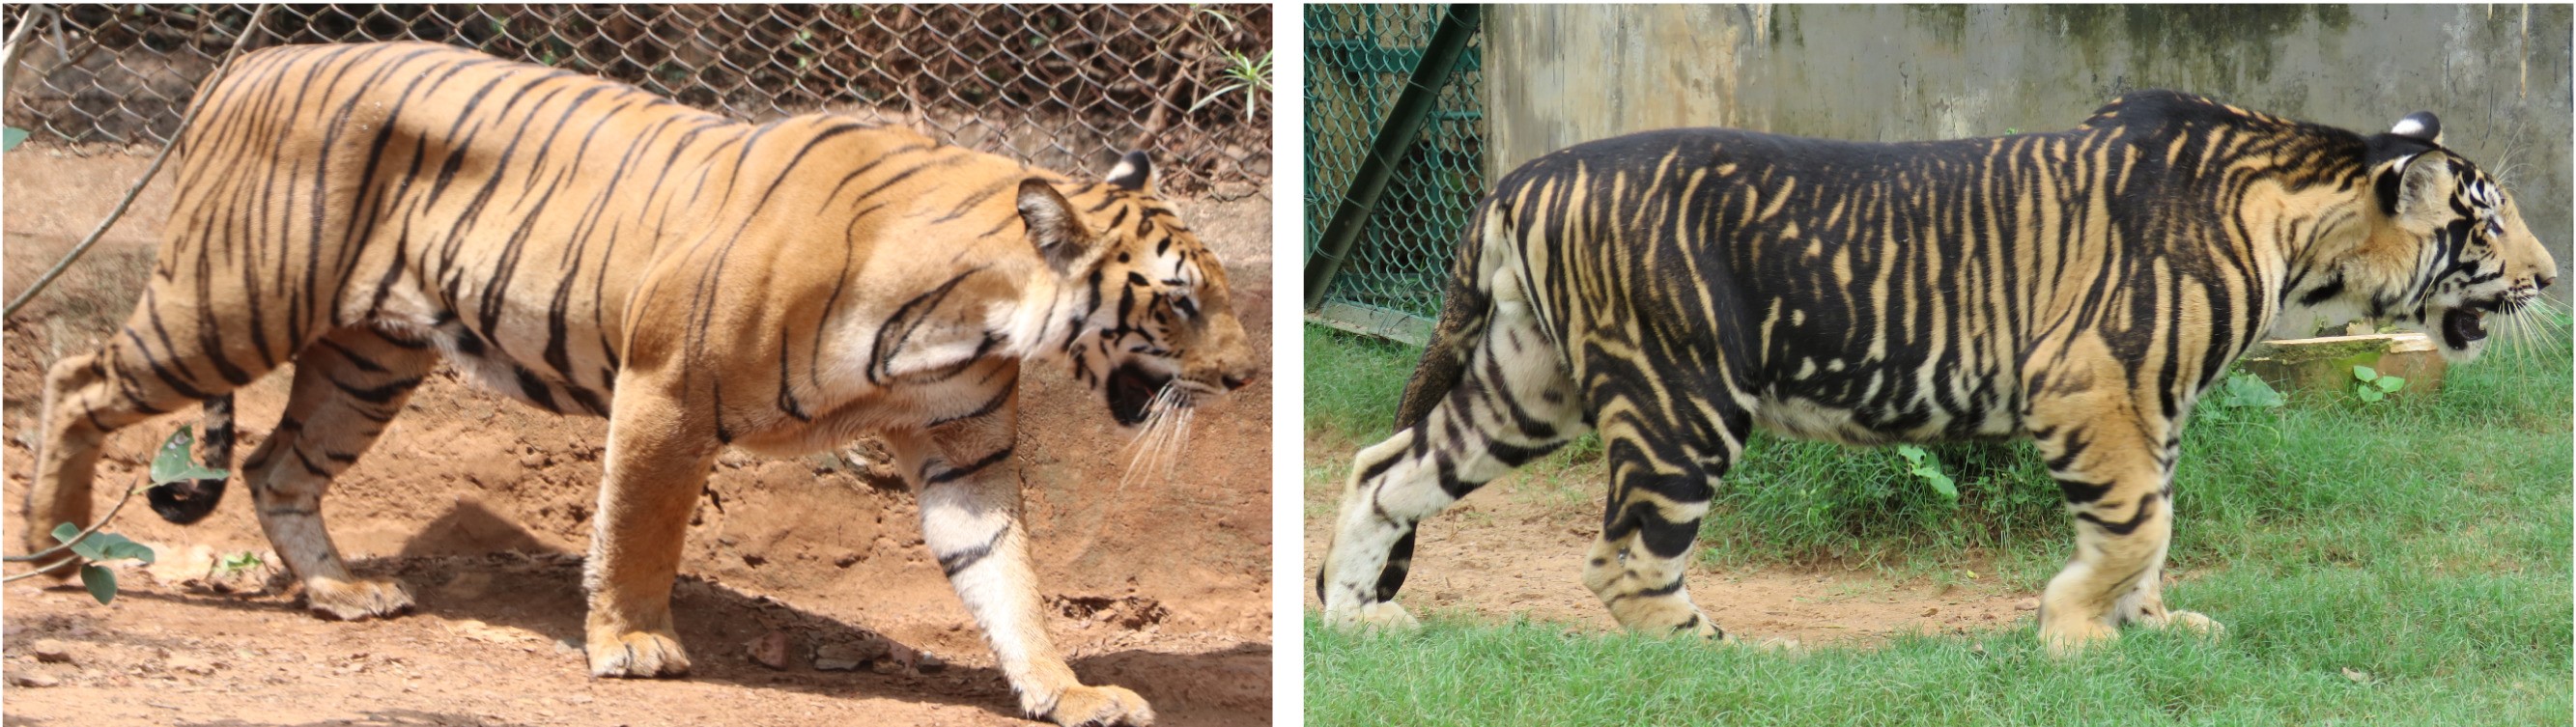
{"x": 1403, "y": 122}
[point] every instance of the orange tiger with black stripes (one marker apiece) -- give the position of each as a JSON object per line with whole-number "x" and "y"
{"x": 364, "y": 211}
{"x": 1675, "y": 289}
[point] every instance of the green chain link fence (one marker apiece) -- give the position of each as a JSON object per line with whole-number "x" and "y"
{"x": 1359, "y": 60}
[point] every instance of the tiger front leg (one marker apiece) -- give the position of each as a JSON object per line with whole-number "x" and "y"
{"x": 1659, "y": 490}
{"x": 657, "y": 466}
{"x": 2116, "y": 473}
{"x": 970, "y": 517}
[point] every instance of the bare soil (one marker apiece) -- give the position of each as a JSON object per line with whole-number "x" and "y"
{"x": 481, "y": 507}
{"x": 1516, "y": 550}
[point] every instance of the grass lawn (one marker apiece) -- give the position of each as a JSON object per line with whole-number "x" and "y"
{"x": 2406, "y": 562}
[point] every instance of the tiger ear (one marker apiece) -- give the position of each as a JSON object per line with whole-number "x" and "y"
{"x": 2417, "y": 188}
{"x": 1134, "y": 173}
{"x": 2420, "y": 126}
{"x": 1054, "y": 229}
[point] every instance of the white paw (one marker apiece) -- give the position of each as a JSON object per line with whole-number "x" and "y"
{"x": 356, "y": 600}
{"x": 1101, "y": 706}
{"x": 1380, "y": 617}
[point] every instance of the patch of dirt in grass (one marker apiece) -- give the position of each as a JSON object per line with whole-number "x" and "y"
{"x": 1515, "y": 549}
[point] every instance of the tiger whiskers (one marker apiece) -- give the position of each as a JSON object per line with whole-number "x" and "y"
{"x": 2533, "y": 328}
{"x": 1156, "y": 449}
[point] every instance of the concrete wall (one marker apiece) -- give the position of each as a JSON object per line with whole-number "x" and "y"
{"x": 2497, "y": 75}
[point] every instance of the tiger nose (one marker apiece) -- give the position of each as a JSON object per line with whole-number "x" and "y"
{"x": 2542, "y": 280}
{"x": 1237, "y": 381}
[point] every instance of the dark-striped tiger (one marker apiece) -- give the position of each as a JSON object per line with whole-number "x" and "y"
{"x": 364, "y": 211}
{"x": 1675, "y": 289}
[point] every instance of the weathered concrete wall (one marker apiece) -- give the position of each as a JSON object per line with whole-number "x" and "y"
{"x": 2497, "y": 75}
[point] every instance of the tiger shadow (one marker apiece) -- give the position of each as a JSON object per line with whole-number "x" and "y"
{"x": 528, "y": 596}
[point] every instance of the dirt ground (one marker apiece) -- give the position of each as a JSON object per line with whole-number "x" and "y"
{"x": 1510, "y": 550}
{"x": 481, "y": 507}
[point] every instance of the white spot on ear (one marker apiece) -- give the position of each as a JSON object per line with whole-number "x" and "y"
{"x": 2407, "y": 127}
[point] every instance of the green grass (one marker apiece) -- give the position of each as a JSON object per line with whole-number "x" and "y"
{"x": 2422, "y": 543}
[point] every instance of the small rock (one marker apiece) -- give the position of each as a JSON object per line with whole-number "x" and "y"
{"x": 467, "y": 585}
{"x": 2027, "y": 604}
{"x": 846, "y": 559}
{"x": 2356, "y": 675}
{"x": 848, "y": 656}
{"x": 886, "y": 667}
{"x": 770, "y": 650}
{"x": 915, "y": 661}
{"x": 192, "y": 664}
{"x": 32, "y": 679}
{"x": 1931, "y": 610}
{"x": 50, "y": 651}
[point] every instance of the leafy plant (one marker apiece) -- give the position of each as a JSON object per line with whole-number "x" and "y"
{"x": 10, "y": 137}
{"x": 2373, "y": 385}
{"x": 2239, "y": 390}
{"x": 1243, "y": 74}
{"x": 171, "y": 464}
{"x": 1921, "y": 464}
{"x": 97, "y": 548}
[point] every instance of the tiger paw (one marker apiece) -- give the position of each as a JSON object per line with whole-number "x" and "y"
{"x": 2192, "y": 621}
{"x": 1100, "y": 706}
{"x": 1376, "y": 617}
{"x": 636, "y": 654}
{"x": 356, "y": 600}
{"x": 2069, "y": 637}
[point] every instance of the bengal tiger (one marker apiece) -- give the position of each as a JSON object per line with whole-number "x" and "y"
{"x": 1675, "y": 289}
{"x": 365, "y": 211}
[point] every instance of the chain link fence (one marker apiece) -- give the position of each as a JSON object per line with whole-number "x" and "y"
{"x": 1358, "y": 60}
{"x": 1067, "y": 87}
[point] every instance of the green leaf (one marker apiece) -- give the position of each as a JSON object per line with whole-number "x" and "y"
{"x": 1912, "y": 453}
{"x": 63, "y": 533}
{"x": 101, "y": 582}
{"x": 1941, "y": 483}
{"x": 10, "y": 136}
{"x": 2390, "y": 384}
{"x": 2369, "y": 394}
{"x": 106, "y": 546}
{"x": 172, "y": 464}
{"x": 2365, "y": 373}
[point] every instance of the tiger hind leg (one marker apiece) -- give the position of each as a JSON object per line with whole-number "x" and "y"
{"x": 90, "y": 396}
{"x": 1514, "y": 402}
{"x": 348, "y": 387}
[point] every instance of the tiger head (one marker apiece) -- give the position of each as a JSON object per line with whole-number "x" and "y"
{"x": 2445, "y": 246}
{"x": 1139, "y": 307}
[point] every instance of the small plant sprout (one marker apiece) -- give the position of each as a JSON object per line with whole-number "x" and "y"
{"x": 1243, "y": 74}
{"x": 2373, "y": 385}
{"x": 1921, "y": 464}
{"x": 234, "y": 565}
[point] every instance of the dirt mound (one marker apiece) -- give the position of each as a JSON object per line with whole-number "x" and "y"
{"x": 481, "y": 506}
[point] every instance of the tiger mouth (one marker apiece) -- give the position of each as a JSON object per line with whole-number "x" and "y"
{"x": 2466, "y": 324}
{"x": 1131, "y": 393}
